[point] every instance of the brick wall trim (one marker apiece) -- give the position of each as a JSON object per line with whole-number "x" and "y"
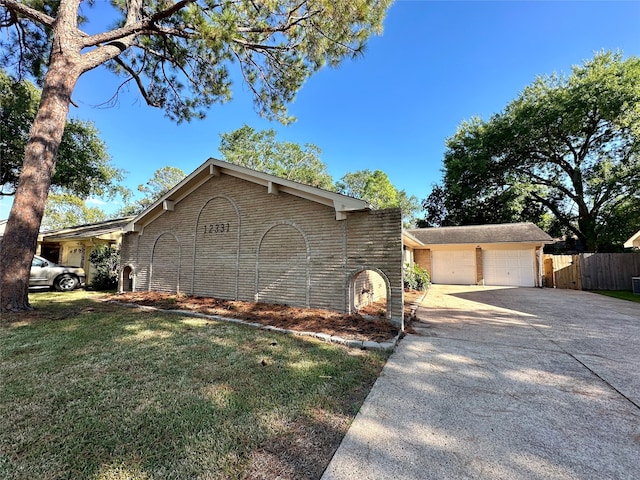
{"x": 238, "y": 239}
{"x": 307, "y": 286}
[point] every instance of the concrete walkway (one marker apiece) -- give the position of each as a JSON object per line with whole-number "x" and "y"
{"x": 504, "y": 383}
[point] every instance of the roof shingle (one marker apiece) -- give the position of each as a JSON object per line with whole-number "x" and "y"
{"x": 501, "y": 233}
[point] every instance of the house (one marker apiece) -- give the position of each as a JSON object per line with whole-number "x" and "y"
{"x": 71, "y": 246}
{"x": 633, "y": 242}
{"x": 504, "y": 254}
{"x": 231, "y": 232}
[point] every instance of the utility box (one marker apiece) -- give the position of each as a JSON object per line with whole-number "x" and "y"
{"x": 635, "y": 285}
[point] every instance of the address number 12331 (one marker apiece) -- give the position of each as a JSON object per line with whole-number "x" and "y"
{"x": 217, "y": 228}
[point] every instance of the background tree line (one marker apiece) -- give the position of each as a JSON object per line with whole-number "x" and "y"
{"x": 84, "y": 169}
{"x": 564, "y": 154}
{"x": 258, "y": 150}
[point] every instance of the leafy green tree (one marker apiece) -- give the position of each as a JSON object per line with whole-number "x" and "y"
{"x": 67, "y": 210}
{"x": 618, "y": 224}
{"x": 259, "y": 150}
{"x": 410, "y": 206}
{"x": 376, "y": 188}
{"x": 163, "y": 180}
{"x": 106, "y": 261}
{"x": 566, "y": 152}
{"x": 473, "y": 205}
{"x": 83, "y": 168}
{"x": 435, "y": 209}
{"x": 178, "y": 55}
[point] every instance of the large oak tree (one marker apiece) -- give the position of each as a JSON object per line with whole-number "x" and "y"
{"x": 568, "y": 148}
{"x": 178, "y": 54}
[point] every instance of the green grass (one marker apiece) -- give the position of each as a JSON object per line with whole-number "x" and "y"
{"x": 621, "y": 294}
{"x": 94, "y": 390}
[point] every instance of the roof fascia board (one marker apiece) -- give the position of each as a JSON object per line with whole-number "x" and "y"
{"x": 137, "y": 225}
{"x": 341, "y": 203}
{"x": 294, "y": 188}
{"x": 486, "y": 244}
{"x": 410, "y": 241}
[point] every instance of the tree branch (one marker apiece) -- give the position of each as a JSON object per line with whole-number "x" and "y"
{"x": 31, "y": 13}
{"x": 144, "y": 25}
{"x": 260, "y": 46}
{"x": 545, "y": 182}
{"x": 136, "y": 78}
{"x": 567, "y": 221}
{"x": 288, "y": 25}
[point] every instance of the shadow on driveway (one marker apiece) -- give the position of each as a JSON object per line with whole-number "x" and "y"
{"x": 504, "y": 383}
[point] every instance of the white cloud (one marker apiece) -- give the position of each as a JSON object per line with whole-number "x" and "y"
{"x": 96, "y": 201}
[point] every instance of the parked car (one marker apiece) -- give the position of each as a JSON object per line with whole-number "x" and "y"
{"x": 48, "y": 274}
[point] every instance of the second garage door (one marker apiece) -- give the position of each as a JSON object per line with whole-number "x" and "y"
{"x": 455, "y": 267}
{"x": 509, "y": 267}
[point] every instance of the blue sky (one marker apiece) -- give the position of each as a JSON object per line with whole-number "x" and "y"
{"x": 436, "y": 64}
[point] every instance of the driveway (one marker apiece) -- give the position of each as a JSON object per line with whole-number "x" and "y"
{"x": 504, "y": 383}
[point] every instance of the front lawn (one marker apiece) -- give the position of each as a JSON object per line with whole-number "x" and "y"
{"x": 621, "y": 294}
{"x": 95, "y": 390}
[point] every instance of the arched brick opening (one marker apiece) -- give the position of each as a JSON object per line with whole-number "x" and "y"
{"x": 369, "y": 289}
{"x": 126, "y": 281}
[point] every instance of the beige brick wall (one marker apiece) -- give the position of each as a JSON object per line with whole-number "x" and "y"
{"x": 423, "y": 258}
{"x": 374, "y": 242}
{"x": 479, "y": 267}
{"x": 232, "y": 239}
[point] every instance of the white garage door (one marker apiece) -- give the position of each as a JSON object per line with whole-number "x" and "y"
{"x": 509, "y": 267}
{"x": 457, "y": 267}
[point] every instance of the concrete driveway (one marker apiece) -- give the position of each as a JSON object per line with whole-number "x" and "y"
{"x": 504, "y": 383}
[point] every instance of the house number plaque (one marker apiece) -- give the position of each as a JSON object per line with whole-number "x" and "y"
{"x": 217, "y": 228}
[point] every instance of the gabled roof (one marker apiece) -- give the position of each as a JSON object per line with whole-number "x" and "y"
{"x": 90, "y": 230}
{"x": 475, "y": 234}
{"x": 633, "y": 241}
{"x": 215, "y": 168}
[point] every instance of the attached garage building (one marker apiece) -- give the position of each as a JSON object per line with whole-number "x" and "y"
{"x": 505, "y": 254}
{"x": 234, "y": 233}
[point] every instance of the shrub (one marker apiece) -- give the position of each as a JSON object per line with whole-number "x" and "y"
{"x": 106, "y": 261}
{"x": 415, "y": 277}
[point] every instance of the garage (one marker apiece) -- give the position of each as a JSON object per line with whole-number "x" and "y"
{"x": 506, "y": 254}
{"x": 514, "y": 268}
{"x": 454, "y": 267}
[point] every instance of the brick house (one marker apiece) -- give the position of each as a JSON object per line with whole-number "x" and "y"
{"x": 231, "y": 232}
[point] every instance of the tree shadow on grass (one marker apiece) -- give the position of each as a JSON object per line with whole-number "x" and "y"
{"x": 110, "y": 392}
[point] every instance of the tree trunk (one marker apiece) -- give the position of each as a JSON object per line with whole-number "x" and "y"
{"x": 587, "y": 226}
{"x": 21, "y": 235}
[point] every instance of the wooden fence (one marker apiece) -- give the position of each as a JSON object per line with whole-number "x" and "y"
{"x": 591, "y": 271}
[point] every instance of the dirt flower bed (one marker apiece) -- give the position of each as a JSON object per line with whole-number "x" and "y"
{"x": 365, "y": 327}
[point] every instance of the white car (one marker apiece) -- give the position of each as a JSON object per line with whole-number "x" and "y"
{"x": 48, "y": 274}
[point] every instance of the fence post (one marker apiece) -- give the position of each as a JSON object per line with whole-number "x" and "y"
{"x": 578, "y": 262}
